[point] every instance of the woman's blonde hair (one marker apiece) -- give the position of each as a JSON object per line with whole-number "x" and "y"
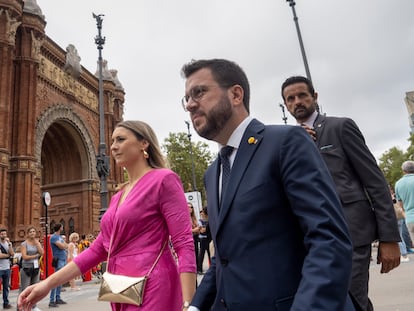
{"x": 144, "y": 132}
{"x": 73, "y": 236}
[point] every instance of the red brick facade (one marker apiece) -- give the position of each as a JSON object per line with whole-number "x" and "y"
{"x": 49, "y": 127}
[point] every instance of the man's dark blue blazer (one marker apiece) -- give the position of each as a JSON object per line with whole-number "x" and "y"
{"x": 280, "y": 236}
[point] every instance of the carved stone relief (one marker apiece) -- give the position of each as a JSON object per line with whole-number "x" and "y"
{"x": 68, "y": 83}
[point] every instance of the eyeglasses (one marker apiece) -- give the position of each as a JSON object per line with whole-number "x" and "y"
{"x": 196, "y": 94}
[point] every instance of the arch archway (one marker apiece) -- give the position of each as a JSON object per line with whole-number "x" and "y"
{"x": 67, "y": 161}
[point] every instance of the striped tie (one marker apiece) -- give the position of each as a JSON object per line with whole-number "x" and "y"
{"x": 225, "y": 173}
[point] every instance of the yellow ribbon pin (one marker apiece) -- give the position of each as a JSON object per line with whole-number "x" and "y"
{"x": 252, "y": 140}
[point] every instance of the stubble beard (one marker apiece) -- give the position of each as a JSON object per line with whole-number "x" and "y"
{"x": 304, "y": 113}
{"x": 216, "y": 119}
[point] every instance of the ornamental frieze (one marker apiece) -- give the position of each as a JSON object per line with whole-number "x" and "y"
{"x": 67, "y": 84}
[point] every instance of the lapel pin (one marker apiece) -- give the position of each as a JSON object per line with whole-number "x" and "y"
{"x": 252, "y": 140}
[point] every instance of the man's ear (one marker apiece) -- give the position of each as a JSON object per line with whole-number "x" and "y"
{"x": 236, "y": 94}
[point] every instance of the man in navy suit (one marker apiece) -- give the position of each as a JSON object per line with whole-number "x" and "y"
{"x": 281, "y": 241}
{"x": 360, "y": 184}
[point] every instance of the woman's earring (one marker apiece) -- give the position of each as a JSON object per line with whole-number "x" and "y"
{"x": 146, "y": 155}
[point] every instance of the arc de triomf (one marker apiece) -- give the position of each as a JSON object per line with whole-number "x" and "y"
{"x": 49, "y": 127}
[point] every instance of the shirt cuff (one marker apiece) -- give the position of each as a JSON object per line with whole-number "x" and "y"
{"x": 192, "y": 308}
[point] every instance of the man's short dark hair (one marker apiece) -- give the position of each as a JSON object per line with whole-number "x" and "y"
{"x": 225, "y": 72}
{"x": 3, "y": 229}
{"x": 57, "y": 227}
{"x": 298, "y": 79}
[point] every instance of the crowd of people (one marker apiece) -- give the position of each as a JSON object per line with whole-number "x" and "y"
{"x": 293, "y": 205}
{"x": 201, "y": 236}
{"x": 30, "y": 260}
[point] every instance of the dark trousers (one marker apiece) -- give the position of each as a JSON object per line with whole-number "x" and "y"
{"x": 204, "y": 247}
{"x": 358, "y": 289}
{"x": 196, "y": 247}
{"x": 5, "y": 277}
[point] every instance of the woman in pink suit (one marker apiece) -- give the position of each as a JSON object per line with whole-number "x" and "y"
{"x": 142, "y": 216}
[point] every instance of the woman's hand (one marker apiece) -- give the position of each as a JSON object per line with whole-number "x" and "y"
{"x": 32, "y": 295}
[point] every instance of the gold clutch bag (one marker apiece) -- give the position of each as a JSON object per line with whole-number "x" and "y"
{"x": 122, "y": 289}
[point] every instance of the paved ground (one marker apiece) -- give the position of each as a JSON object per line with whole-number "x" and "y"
{"x": 393, "y": 291}
{"x": 389, "y": 292}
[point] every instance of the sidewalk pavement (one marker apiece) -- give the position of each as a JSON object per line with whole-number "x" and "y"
{"x": 392, "y": 291}
{"x": 389, "y": 292}
{"x": 83, "y": 299}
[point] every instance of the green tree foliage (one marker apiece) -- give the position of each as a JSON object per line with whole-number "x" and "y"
{"x": 409, "y": 155}
{"x": 390, "y": 164}
{"x": 391, "y": 161}
{"x": 177, "y": 148}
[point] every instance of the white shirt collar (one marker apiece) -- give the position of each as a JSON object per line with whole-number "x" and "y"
{"x": 237, "y": 134}
{"x": 309, "y": 122}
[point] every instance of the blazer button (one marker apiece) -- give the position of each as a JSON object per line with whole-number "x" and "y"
{"x": 223, "y": 302}
{"x": 224, "y": 262}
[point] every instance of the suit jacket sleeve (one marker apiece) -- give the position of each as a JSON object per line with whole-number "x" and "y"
{"x": 312, "y": 195}
{"x": 372, "y": 180}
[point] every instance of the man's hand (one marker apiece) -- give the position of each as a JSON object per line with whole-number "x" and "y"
{"x": 388, "y": 255}
{"x": 310, "y": 131}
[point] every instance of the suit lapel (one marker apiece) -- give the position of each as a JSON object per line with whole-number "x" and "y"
{"x": 319, "y": 126}
{"x": 248, "y": 146}
{"x": 212, "y": 178}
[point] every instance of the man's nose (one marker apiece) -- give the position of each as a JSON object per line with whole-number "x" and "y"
{"x": 191, "y": 104}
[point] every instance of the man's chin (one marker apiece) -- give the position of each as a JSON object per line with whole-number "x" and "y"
{"x": 301, "y": 115}
{"x": 202, "y": 132}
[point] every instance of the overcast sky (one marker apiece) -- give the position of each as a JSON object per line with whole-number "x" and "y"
{"x": 360, "y": 54}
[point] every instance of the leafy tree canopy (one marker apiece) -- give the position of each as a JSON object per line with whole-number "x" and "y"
{"x": 390, "y": 162}
{"x": 183, "y": 156}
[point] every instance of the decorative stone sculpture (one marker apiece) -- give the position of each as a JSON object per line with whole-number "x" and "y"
{"x": 72, "y": 65}
{"x": 11, "y": 28}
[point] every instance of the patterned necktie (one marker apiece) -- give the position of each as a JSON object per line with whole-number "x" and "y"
{"x": 225, "y": 162}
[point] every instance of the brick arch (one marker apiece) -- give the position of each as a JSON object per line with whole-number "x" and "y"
{"x": 61, "y": 112}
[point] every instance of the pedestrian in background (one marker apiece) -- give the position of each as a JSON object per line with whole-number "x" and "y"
{"x": 6, "y": 254}
{"x": 31, "y": 251}
{"x": 195, "y": 229}
{"x": 59, "y": 253}
{"x": 72, "y": 253}
{"x": 404, "y": 193}
{"x": 204, "y": 238}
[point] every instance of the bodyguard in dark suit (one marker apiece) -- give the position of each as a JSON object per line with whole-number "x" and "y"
{"x": 360, "y": 184}
{"x": 281, "y": 241}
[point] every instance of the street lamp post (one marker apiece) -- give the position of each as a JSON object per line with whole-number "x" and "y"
{"x": 284, "y": 118}
{"x": 302, "y": 48}
{"x": 191, "y": 155}
{"x": 102, "y": 160}
{"x": 46, "y": 200}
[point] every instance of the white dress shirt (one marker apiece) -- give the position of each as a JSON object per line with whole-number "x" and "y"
{"x": 234, "y": 141}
